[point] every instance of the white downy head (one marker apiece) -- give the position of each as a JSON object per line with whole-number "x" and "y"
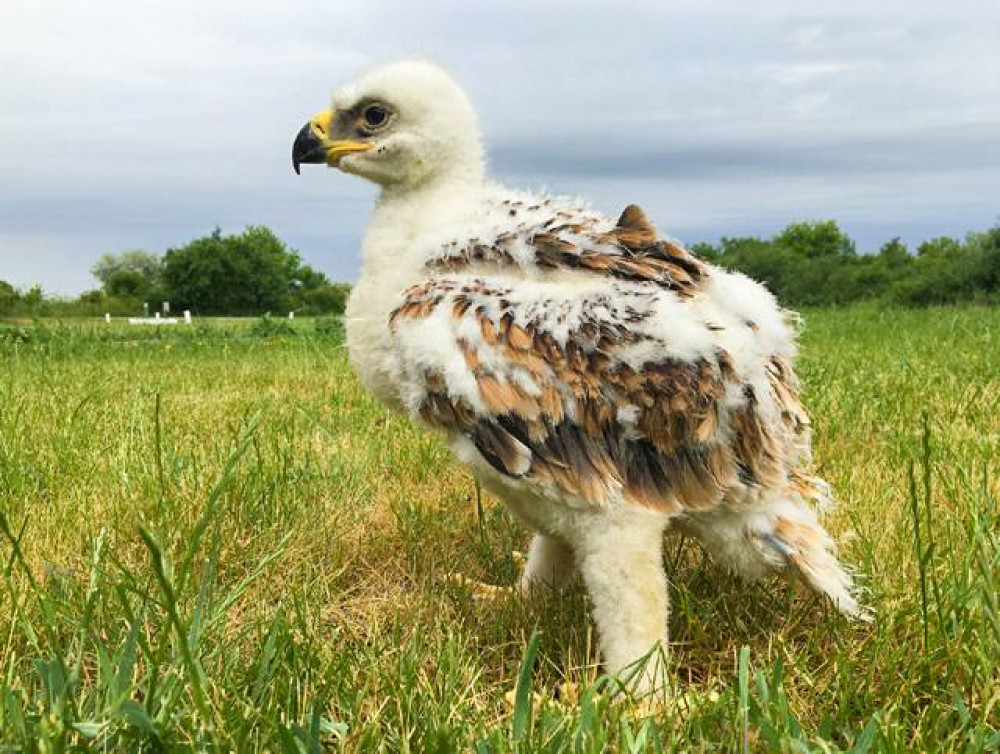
{"x": 404, "y": 126}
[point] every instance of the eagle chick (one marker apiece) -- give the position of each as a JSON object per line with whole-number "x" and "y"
{"x": 596, "y": 376}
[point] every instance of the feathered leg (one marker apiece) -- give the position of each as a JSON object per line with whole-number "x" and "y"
{"x": 549, "y": 565}
{"x": 622, "y": 566}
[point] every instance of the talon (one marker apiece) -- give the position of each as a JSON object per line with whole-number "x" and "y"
{"x": 480, "y": 591}
{"x": 520, "y": 563}
{"x": 569, "y": 693}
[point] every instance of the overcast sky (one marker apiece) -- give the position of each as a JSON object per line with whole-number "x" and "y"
{"x": 134, "y": 124}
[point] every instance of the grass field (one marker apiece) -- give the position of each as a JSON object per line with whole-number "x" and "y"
{"x": 211, "y": 538}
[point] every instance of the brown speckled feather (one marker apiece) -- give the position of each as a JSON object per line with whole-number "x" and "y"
{"x": 630, "y": 250}
{"x": 572, "y": 411}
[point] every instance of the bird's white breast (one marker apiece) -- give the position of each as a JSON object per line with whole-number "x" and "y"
{"x": 402, "y": 234}
{"x": 368, "y": 338}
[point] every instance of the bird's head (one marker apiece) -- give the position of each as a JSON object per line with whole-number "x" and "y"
{"x": 402, "y": 126}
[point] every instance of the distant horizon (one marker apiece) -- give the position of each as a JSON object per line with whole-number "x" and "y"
{"x": 862, "y": 248}
{"x": 717, "y": 119}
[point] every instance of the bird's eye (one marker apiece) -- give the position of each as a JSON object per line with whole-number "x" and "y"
{"x": 375, "y": 116}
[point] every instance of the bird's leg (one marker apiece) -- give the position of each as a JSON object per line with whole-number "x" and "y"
{"x": 622, "y": 566}
{"x": 549, "y": 566}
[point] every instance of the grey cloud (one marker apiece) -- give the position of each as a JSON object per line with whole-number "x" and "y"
{"x": 962, "y": 147}
{"x": 138, "y": 125}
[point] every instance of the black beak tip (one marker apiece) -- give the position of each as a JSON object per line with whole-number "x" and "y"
{"x": 306, "y": 148}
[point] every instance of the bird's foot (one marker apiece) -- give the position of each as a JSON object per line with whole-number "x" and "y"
{"x": 479, "y": 589}
{"x": 570, "y": 694}
{"x": 672, "y": 702}
{"x": 483, "y": 591}
{"x": 566, "y": 694}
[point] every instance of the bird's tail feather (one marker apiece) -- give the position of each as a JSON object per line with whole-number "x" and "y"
{"x": 797, "y": 537}
{"x": 783, "y": 534}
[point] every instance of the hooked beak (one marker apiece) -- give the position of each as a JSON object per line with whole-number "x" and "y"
{"x": 313, "y": 143}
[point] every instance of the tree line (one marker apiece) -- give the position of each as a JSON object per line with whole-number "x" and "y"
{"x": 254, "y": 272}
{"x": 248, "y": 273}
{"x": 817, "y": 264}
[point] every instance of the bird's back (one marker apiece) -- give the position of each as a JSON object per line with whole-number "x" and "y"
{"x": 600, "y": 363}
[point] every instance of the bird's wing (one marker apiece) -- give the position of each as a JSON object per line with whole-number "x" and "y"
{"x": 595, "y": 387}
{"x": 547, "y": 235}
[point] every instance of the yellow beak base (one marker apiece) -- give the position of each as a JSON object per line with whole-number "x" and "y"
{"x": 313, "y": 143}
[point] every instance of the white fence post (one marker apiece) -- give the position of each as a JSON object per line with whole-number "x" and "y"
{"x": 107, "y": 317}
{"x": 187, "y": 317}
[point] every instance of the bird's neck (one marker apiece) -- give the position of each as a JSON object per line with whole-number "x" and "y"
{"x": 406, "y": 220}
{"x": 463, "y": 170}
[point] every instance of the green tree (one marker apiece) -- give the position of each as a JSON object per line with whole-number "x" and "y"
{"x": 249, "y": 273}
{"x": 870, "y": 276}
{"x": 94, "y": 296}
{"x": 33, "y": 297}
{"x": 940, "y": 247}
{"x": 307, "y": 279}
{"x": 330, "y": 298}
{"x": 142, "y": 263}
{"x": 985, "y": 249}
{"x": 816, "y": 239}
{"x": 942, "y": 273}
{"x": 765, "y": 262}
{"x": 128, "y": 284}
{"x": 8, "y": 297}
{"x": 707, "y": 251}
{"x": 894, "y": 255}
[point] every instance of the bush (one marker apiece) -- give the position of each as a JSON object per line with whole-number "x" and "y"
{"x": 15, "y": 334}
{"x": 268, "y": 327}
{"x": 8, "y": 297}
{"x": 329, "y": 327}
{"x": 329, "y": 298}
